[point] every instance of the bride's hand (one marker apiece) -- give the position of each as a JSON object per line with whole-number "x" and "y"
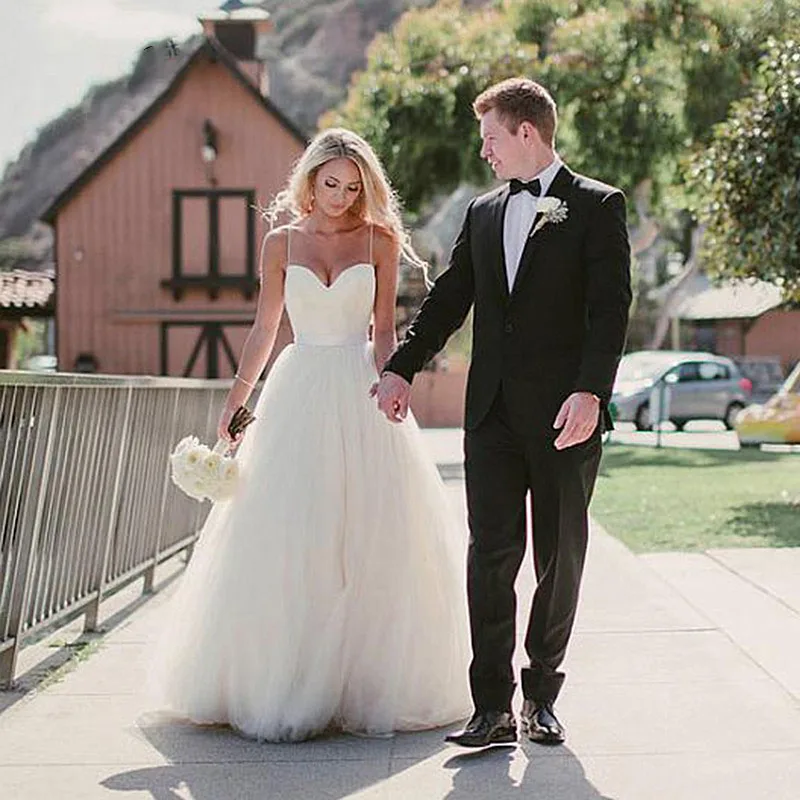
{"x": 393, "y": 394}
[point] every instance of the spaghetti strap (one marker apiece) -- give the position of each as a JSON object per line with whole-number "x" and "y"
{"x": 371, "y": 229}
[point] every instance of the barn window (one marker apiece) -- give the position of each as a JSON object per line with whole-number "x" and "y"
{"x": 213, "y": 242}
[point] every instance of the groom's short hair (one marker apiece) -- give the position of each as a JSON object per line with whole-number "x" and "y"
{"x": 518, "y": 100}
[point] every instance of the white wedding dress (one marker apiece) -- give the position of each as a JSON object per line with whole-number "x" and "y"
{"x": 329, "y": 592}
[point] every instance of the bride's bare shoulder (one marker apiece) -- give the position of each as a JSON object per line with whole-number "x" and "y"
{"x": 275, "y": 248}
{"x": 280, "y": 234}
{"x": 385, "y": 241}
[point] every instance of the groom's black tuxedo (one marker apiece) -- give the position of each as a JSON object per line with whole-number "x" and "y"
{"x": 560, "y": 329}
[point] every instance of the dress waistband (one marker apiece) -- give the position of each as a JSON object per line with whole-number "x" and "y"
{"x": 321, "y": 341}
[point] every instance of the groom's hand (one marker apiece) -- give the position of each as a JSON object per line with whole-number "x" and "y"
{"x": 577, "y": 419}
{"x": 393, "y": 394}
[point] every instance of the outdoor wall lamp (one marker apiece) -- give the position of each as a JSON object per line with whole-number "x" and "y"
{"x": 209, "y": 151}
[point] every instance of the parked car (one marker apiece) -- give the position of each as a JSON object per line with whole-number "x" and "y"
{"x": 775, "y": 422}
{"x": 699, "y": 386}
{"x": 766, "y": 373}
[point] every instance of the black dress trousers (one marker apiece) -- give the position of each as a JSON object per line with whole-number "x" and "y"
{"x": 505, "y": 461}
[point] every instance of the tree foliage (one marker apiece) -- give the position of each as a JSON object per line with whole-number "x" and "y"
{"x": 14, "y": 250}
{"x": 413, "y": 102}
{"x": 748, "y": 179}
{"x": 639, "y": 83}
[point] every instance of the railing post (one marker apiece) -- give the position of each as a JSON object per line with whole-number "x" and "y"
{"x": 149, "y": 576}
{"x": 25, "y": 561}
{"x": 93, "y": 609}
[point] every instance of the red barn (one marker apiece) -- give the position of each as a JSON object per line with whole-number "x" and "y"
{"x": 156, "y": 241}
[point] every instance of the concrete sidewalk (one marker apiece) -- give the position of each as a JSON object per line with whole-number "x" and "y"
{"x": 682, "y": 685}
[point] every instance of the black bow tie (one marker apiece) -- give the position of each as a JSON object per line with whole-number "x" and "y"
{"x": 534, "y": 187}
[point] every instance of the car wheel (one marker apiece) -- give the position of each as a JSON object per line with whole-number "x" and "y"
{"x": 679, "y": 424}
{"x": 642, "y": 418}
{"x": 731, "y": 414}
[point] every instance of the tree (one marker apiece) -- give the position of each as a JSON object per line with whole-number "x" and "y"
{"x": 12, "y": 250}
{"x": 639, "y": 83}
{"x": 748, "y": 179}
{"x": 413, "y": 102}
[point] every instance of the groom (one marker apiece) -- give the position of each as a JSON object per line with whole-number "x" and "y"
{"x": 545, "y": 261}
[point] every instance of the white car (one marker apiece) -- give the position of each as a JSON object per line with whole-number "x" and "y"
{"x": 697, "y": 386}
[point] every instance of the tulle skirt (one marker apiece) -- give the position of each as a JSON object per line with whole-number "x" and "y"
{"x": 329, "y": 592}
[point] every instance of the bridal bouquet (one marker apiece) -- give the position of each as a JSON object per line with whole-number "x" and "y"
{"x": 204, "y": 473}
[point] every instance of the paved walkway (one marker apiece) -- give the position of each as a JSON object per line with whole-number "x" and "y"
{"x": 683, "y": 685}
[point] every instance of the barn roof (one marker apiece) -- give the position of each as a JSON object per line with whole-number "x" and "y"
{"x": 207, "y": 48}
{"x": 741, "y": 300}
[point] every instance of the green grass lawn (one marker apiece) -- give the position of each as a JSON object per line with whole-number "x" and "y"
{"x": 670, "y": 499}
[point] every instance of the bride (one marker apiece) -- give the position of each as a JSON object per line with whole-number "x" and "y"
{"x": 328, "y": 593}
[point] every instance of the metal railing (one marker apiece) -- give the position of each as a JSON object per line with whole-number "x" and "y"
{"x": 86, "y": 501}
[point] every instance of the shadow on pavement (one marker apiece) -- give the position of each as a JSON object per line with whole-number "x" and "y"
{"x": 547, "y": 773}
{"x": 63, "y": 655}
{"x": 211, "y": 763}
{"x": 214, "y": 763}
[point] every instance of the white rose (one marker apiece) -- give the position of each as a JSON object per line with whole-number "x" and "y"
{"x": 192, "y": 487}
{"x": 229, "y": 470}
{"x": 211, "y": 464}
{"x": 201, "y": 483}
{"x": 184, "y": 445}
{"x": 547, "y": 205}
{"x": 194, "y": 455}
{"x": 179, "y": 472}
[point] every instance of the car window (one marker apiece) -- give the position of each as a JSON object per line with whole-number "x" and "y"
{"x": 711, "y": 371}
{"x": 774, "y": 371}
{"x": 756, "y": 372}
{"x": 688, "y": 372}
{"x": 762, "y": 371}
{"x": 635, "y": 367}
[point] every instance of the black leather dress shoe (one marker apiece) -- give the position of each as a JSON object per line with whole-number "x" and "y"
{"x": 540, "y": 723}
{"x": 488, "y": 727}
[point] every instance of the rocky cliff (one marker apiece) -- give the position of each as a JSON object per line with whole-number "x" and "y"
{"x": 319, "y": 44}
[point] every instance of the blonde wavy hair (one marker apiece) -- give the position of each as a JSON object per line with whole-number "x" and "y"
{"x": 377, "y": 202}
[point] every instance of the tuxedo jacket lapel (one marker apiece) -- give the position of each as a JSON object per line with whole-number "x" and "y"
{"x": 496, "y": 227}
{"x": 560, "y": 187}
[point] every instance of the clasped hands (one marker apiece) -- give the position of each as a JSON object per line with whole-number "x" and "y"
{"x": 577, "y": 418}
{"x": 393, "y": 394}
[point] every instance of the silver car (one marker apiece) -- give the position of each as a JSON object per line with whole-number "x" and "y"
{"x": 690, "y": 385}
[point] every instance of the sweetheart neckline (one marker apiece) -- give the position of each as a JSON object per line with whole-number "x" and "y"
{"x": 333, "y": 283}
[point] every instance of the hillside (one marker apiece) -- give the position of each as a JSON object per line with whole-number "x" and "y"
{"x": 319, "y": 44}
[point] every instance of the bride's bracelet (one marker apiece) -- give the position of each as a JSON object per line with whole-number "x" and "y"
{"x": 238, "y": 377}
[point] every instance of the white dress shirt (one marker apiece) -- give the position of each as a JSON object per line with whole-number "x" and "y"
{"x": 520, "y": 213}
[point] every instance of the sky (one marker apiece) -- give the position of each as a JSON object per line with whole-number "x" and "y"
{"x": 54, "y": 50}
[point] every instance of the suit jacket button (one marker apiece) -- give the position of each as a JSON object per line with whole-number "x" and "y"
{"x": 509, "y": 327}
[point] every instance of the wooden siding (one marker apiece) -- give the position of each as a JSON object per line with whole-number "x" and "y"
{"x": 114, "y": 237}
{"x": 775, "y": 333}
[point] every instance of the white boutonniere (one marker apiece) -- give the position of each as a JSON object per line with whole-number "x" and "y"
{"x": 552, "y": 209}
